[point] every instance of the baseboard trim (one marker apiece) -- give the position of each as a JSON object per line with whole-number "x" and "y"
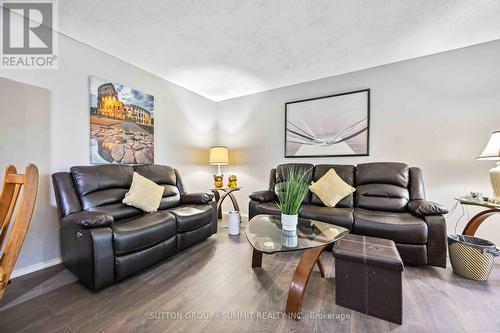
{"x": 35, "y": 267}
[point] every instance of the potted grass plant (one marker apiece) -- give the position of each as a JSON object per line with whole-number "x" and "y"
{"x": 290, "y": 195}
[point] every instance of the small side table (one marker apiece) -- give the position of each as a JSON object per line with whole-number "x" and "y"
{"x": 474, "y": 223}
{"x": 227, "y": 192}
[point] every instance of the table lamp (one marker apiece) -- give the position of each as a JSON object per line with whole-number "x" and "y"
{"x": 218, "y": 156}
{"x": 492, "y": 152}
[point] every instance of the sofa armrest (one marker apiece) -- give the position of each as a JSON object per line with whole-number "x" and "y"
{"x": 87, "y": 220}
{"x": 197, "y": 198}
{"x": 88, "y": 253}
{"x": 426, "y": 208}
{"x": 263, "y": 196}
{"x": 436, "y": 240}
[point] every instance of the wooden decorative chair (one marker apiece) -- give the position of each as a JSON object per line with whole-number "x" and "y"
{"x": 12, "y": 185}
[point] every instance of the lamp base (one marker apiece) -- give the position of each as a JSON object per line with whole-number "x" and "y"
{"x": 495, "y": 183}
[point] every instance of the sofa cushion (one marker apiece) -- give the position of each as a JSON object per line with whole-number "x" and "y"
{"x": 269, "y": 207}
{"x": 383, "y": 173}
{"x": 164, "y": 176}
{"x": 197, "y": 198}
{"x": 99, "y": 177}
{"x": 330, "y": 188}
{"x": 384, "y": 197}
{"x": 169, "y": 201}
{"x": 382, "y": 186}
{"x": 101, "y": 184}
{"x": 345, "y": 172}
{"x": 399, "y": 227}
{"x": 144, "y": 194}
{"x": 191, "y": 217}
{"x": 160, "y": 174}
{"x": 140, "y": 232}
{"x": 263, "y": 196}
{"x": 339, "y": 216}
{"x": 119, "y": 211}
{"x": 103, "y": 197}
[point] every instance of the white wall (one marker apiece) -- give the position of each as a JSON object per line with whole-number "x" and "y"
{"x": 184, "y": 129}
{"x": 435, "y": 112}
{"x": 25, "y": 131}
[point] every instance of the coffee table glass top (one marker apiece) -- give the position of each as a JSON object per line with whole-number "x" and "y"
{"x": 265, "y": 234}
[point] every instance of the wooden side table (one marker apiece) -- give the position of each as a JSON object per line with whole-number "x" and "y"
{"x": 474, "y": 223}
{"x": 226, "y": 192}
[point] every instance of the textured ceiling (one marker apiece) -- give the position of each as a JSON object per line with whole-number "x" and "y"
{"x": 227, "y": 48}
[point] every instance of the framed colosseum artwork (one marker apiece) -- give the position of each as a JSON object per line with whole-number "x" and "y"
{"x": 121, "y": 124}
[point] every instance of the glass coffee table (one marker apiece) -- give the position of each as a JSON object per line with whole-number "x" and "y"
{"x": 265, "y": 234}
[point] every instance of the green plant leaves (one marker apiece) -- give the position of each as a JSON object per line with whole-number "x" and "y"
{"x": 293, "y": 190}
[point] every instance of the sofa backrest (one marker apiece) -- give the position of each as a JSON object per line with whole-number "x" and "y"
{"x": 168, "y": 178}
{"x": 382, "y": 186}
{"x": 67, "y": 198}
{"x": 417, "y": 188}
{"x": 103, "y": 187}
{"x": 346, "y": 172}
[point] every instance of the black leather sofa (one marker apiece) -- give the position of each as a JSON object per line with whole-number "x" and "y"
{"x": 389, "y": 202}
{"x": 104, "y": 241}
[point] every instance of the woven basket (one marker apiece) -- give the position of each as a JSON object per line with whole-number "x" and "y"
{"x": 472, "y": 257}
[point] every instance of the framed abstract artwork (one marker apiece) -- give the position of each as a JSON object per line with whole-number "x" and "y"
{"x": 121, "y": 124}
{"x": 328, "y": 126}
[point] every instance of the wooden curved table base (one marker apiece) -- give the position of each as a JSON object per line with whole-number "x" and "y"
{"x": 220, "y": 200}
{"x": 256, "y": 259}
{"x": 309, "y": 259}
{"x": 321, "y": 268}
{"x": 474, "y": 223}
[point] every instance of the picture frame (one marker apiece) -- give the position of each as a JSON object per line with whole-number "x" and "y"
{"x": 121, "y": 124}
{"x": 336, "y": 125}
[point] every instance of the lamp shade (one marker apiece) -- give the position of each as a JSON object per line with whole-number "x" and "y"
{"x": 492, "y": 150}
{"x": 218, "y": 155}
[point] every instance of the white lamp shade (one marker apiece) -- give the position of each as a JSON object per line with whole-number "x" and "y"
{"x": 218, "y": 156}
{"x": 492, "y": 150}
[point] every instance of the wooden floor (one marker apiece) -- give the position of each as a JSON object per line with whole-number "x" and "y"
{"x": 214, "y": 288}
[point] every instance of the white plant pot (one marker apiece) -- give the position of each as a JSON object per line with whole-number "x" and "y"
{"x": 289, "y": 222}
{"x": 289, "y": 241}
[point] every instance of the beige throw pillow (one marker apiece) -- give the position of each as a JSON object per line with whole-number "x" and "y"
{"x": 144, "y": 194}
{"x": 330, "y": 188}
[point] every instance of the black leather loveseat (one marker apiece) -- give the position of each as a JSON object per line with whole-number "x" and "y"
{"x": 389, "y": 202}
{"x": 104, "y": 241}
